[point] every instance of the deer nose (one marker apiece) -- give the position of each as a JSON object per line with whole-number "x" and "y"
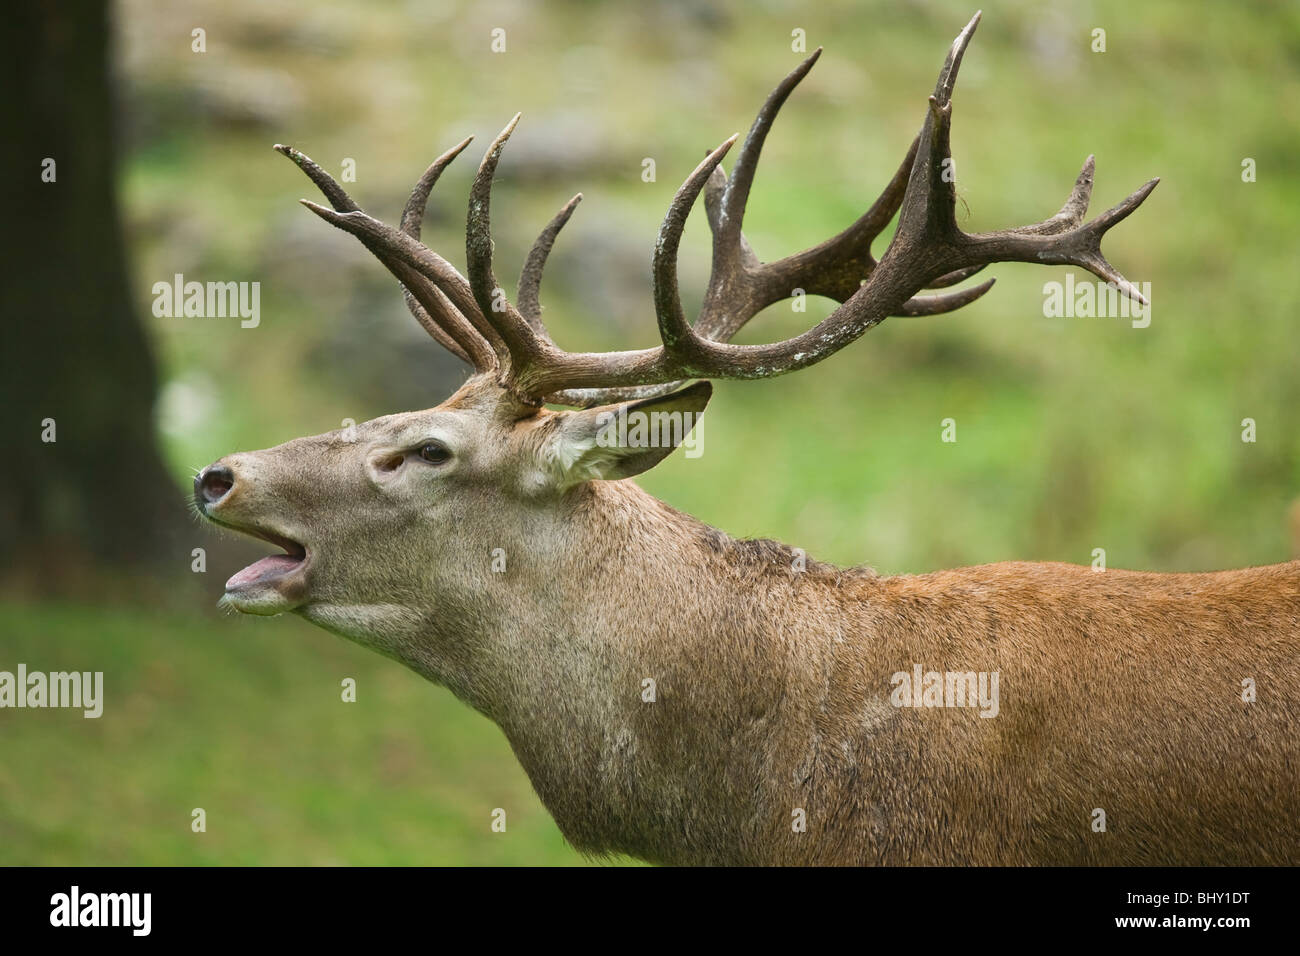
{"x": 212, "y": 484}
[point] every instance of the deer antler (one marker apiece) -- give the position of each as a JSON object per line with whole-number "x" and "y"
{"x": 475, "y": 320}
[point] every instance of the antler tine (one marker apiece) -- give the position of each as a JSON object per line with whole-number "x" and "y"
{"x": 426, "y": 302}
{"x": 413, "y": 215}
{"x": 484, "y": 355}
{"x": 674, "y": 330}
{"x": 930, "y": 201}
{"x": 928, "y": 217}
{"x": 335, "y": 193}
{"x": 524, "y": 347}
{"x": 957, "y": 275}
{"x": 939, "y": 304}
{"x": 1076, "y": 206}
{"x": 530, "y": 278}
{"x": 731, "y": 208}
{"x": 591, "y": 397}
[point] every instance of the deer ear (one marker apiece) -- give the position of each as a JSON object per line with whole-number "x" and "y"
{"x": 619, "y": 441}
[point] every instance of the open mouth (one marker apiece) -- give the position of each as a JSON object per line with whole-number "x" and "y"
{"x": 274, "y": 568}
{"x": 272, "y": 584}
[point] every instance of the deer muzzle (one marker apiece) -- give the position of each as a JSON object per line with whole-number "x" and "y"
{"x": 273, "y": 584}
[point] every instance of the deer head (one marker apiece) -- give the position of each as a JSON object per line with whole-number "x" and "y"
{"x": 387, "y": 531}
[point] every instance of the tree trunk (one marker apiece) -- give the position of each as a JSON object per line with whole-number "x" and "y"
{"x": 75, "y": 362}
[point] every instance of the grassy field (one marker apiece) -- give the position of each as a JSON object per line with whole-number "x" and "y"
{"x": 245, "y": 719}
{"x": 1073, "y": 434}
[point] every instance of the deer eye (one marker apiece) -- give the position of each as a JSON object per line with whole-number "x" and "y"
{"x": 435, "y": 453}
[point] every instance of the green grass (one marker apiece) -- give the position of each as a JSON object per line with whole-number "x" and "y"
{"x": 245, "y": 719}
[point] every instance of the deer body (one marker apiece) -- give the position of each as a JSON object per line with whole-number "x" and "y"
{"x": 1119, "y": 690}
{"x": 687, "y": 698}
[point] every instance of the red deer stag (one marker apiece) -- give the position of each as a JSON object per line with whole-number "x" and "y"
{"x": 685, "y": 697}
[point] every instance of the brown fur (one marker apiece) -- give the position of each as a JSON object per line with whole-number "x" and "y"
{"x": 1120, "y": 690}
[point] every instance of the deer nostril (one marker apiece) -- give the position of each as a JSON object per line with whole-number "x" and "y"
{"x": 212, "y": 484}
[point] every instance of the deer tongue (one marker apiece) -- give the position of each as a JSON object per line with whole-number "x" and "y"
{"x": 260, "y": 572}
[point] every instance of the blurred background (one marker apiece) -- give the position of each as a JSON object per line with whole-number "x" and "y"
{"x": 1072, "y": 434}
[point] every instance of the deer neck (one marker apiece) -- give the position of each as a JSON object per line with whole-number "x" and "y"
{"x": 636, "y": 698}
